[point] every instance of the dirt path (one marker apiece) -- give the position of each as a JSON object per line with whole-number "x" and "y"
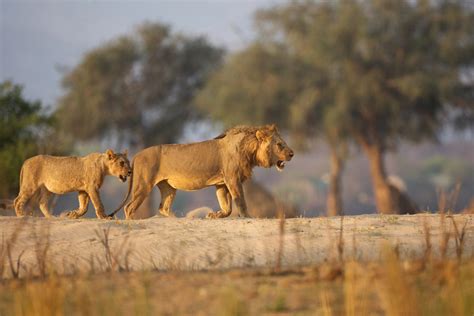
{"x": 194, "y": 244}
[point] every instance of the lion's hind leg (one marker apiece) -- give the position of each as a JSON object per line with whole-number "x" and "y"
{"x": 140, "y": 192}
{"x": 168, "y": 193}
{"x": 225, "y": 202}
{"x": 44, "y": 202}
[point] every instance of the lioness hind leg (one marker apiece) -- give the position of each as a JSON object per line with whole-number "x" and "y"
{"x": 168, "y": 193}
{"x": 21, "y": 200}
{"x": 44, "y": 202}
{"x": 225, "y": 202}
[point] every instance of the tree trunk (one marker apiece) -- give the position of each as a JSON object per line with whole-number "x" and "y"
{"x": 385, "y": 199}
{"x": 334, "y": 198}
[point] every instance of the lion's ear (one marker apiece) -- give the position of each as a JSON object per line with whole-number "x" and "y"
{"x": 273, "y": 128}
{"x": 125, "y": 152}
{"x": 110, "y": 153}
{"x": 261, "y": 134}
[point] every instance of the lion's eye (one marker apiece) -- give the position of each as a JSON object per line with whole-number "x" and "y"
{"x": 280, "y": 145}
{"x": 122, "y": 164}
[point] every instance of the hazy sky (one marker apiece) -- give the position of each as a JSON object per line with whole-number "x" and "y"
{"x": 38, "y": 37}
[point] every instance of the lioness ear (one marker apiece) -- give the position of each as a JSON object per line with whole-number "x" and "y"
{"x": 273, "y": 128}
{"x": 110, "y": 153}
{"x": 125, "y": 152}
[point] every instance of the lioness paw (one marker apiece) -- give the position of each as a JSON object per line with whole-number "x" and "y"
{"x": 68, "y": 214}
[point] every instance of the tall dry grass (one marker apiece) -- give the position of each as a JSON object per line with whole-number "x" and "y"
{"x": 7, "y": 248}
{"x": 115, "y": 259}
{"x": 431, "y": 284}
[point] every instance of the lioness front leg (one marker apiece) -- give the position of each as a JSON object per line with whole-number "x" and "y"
{"x": 225, "y": 202}
{"x": 83, "y": 203}
{"x": 99, "y": 208}
{"x": 237, "y": 193}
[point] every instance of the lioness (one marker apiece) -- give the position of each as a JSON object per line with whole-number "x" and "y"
{"x": 44, "y": 175}
{"x": 224, "y": 162}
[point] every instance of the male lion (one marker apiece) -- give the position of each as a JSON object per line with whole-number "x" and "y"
{"x": 224, "y": 162}
{"x": 45, "y": 175}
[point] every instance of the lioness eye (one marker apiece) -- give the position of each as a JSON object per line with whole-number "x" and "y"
{"x": 280, "y": 145}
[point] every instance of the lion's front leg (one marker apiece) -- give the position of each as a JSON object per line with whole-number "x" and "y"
{"x": 168, "y": 193}
{"x": 237, "y": 193}
{"x": 225, "y": 202}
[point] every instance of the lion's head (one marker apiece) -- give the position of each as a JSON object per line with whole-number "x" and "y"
{"x": 118, "y": 164}
{"x": 257, "y": 146}
{"x": 272, "y": 149}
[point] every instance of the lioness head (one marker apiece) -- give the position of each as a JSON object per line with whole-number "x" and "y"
{"x": 272, "y": 149}
{"x": 118, "y": 164}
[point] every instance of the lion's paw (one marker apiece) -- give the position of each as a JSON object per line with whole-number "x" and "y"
{"x": 211, "y": 215}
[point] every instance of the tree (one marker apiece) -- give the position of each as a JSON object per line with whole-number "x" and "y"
{"x": 137, "y": 89}
{"x": 394, "y": 68}
{"x": 24, "y": 132}
{"x": 249, "y": 89}
{"x": 266, "y": 83}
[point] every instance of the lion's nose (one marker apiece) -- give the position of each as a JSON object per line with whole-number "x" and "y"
{"x": 130, "y": 173}
{"x": 292, "y": 153}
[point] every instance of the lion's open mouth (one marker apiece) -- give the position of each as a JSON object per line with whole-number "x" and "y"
{"x": 280, "y": 165}
{"x": 123, "y": 178}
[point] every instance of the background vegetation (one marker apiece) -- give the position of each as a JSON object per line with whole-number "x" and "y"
{"x": 360, "y": 76}
{"x": 26, "y": 129}
{"x": 365, "y": 90}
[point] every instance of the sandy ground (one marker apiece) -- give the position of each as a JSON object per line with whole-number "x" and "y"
{"x": 198, "y": 244}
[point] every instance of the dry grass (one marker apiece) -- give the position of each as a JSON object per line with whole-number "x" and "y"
{"x": 41, "y": 248}
{"x": 7, "y": 247}
{"x": 281, "y": 230}
{"x": 117, "y": 259}
{"x": 430, "y": 284}
{"x": 363, "y": 290}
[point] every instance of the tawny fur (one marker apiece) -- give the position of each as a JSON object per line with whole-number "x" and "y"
{"x": 224, "y": 162}
{"x": 44, "y": 175}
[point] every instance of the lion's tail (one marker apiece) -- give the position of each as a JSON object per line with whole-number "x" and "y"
{"x": 126, "y": 198}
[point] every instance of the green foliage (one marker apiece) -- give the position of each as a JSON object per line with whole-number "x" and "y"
{"x": 369, "y": 72}
{"x": 23, "y": 132}
{"x": 392, "y": 68}
{"x": 249, "y": 89}
{"x": 444, "y": 172}
{"x": 138, "y": 88}
{"x": 372, "y": 71}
